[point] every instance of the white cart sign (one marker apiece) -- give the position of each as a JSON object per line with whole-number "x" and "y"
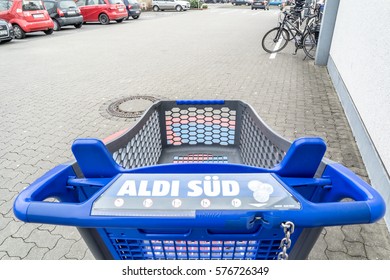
{"x": 156, "y": 194}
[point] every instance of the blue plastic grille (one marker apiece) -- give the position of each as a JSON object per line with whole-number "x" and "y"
{"x": 128, "y": 249}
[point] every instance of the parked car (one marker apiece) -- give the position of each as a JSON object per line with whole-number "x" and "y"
{"x": 63, "y": 13}
{"x": 276, "y": 3}
{"x": 102, "y": 11}
{"x": 26, "y": 16}
{"x": 133, "y": 8}
{"x": 161, "y": 5}
{"x": 260, "y": 4}
{"x": 6, "y": 30}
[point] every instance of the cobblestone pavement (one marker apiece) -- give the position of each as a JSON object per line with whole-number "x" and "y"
{"x": 56, "y": 88}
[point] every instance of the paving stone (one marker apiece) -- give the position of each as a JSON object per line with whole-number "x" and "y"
{"x": 60, "y": 250}
{"x": 25, "y": 230}
{"x": 377, "y": 252}
{"x": 11, "y": 228}
{"x": 4, "y": 221}
{"x": 88, "y": 256}
{"x": 355, "y": 249}
{"x": 334, "y": 239}
{"x": 78, "y": 250}
{"x": 341, "y": 256}
{"x": 6, "y": 257}
{"x": 6, "y": 194}
{"x": 67, "y": 232}
{"x": 16, "y": 247}
{"x": 352, "y": 233}
{"x": 375, "y": 235}
{"x": 43, "y": 238}
{"x": 47, "y": 227}
{"x": 319, "y": 249}
{"x": 296, "y": 98}
{"x": 36, "y": 253}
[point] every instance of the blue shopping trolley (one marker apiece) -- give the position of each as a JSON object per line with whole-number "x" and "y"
{"x": 199, "y": 180}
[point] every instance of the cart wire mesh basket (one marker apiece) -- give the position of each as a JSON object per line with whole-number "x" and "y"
{"x": 199, "y": 179}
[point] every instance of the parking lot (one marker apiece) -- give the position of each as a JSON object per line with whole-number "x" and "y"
{"x": 57, "y": 88}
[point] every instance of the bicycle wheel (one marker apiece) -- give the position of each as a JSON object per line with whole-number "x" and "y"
{"x": 275, "y": 40}
{"x": 309, "y": 45}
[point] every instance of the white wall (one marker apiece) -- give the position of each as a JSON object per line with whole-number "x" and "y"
{"x": 360, "y": 51}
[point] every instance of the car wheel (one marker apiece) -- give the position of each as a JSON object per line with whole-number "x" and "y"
{"x": 78, "y": 25}
{"x": 179, "y": 8}
{"x": 135, "y": 17}
{"x": 120, "y": 20}
{"x": 104, "y": 19}
{"x": 156, "y": 8}
{"x": 57, "y": 26}
{"x": 19, "y": 33}
{"x": 49, "y": 31}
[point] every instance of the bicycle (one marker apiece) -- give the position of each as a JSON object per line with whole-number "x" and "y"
{"x": 277, "y": 38}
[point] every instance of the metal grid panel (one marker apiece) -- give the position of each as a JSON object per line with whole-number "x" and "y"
{"x": 130, "y": 249}
{"x": 144, "y": 149}
{"x": 255, "y": 148}
{"x": 200, "y": 126}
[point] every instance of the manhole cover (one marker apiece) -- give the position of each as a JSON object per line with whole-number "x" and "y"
{"x": 131, "y": 107}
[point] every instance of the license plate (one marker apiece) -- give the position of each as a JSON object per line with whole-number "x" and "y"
{"x": 121, "y": 10}
{"x": 38, "y": 16}
{"x": 3, "y": 32}
{"x": 71, "y": 12}
{"x": 137, "y": 12}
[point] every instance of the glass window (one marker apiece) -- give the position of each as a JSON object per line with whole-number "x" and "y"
{"x": 66, "y": 4}
{"x": 80, "y": 3}
{"x": 5, "y": 5}
{"x": 49, "y": 5}
{"x": 95, "y": 2}
{"x": 115, "y": 1}
{"x": 32, "y": 5}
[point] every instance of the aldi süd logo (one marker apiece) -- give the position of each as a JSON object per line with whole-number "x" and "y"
{"x": 195, "y": 192}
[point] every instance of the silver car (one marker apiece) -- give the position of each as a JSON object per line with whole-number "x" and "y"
{"x": 161, "y": 5}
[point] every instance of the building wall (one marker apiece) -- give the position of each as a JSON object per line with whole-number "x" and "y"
{"x": 359, "y": 65}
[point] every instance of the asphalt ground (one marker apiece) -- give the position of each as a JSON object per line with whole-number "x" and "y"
{"x": 54, "y": 89}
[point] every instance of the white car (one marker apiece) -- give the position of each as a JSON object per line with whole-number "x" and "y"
{"x": 161, "y": 5}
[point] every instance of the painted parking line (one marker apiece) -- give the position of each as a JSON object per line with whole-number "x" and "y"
{"x": 273, "y": 55}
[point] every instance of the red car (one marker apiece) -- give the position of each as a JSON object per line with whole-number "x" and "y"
{"x": 26, "y": 16}
{"x": 102, "y": 11}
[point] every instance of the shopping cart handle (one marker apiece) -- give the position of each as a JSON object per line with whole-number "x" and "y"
{"x": 364, "y": 204}
{"x": 200, "y": 102}
{"x": 367, "y": 205}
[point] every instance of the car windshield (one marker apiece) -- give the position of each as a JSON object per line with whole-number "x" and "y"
{"x": 133, "y": 1}
{"x": 5, "y": 5}
{"x": 66, "y": 4}
{"x": 115, "y": 1}
{"x": 32, "y": 5}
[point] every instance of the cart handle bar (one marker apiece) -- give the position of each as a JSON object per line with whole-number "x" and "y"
{"x": 367, "y": 207}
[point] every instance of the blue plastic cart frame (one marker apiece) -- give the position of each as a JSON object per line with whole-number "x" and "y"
{"x": 188, "y": 140}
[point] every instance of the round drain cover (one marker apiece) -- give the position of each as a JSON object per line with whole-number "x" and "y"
{"x": 131, "y": 107}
